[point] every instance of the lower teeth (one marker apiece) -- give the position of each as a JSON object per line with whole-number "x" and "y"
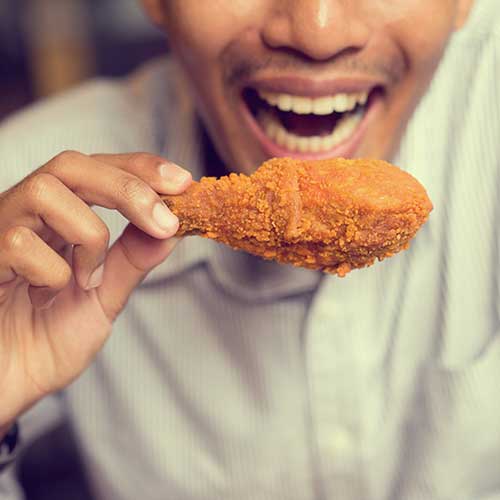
{"x": 311, "y": 144}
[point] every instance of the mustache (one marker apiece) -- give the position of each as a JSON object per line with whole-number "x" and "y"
{"x": 239, "y": 67}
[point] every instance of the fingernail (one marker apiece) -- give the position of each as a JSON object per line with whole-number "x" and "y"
{"x": 173, "y": 173}
{"x": 164, "y": 217}
{"x": 95, "y": 278}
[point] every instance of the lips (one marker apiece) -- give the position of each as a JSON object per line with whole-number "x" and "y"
{"x": 319, "y": 120}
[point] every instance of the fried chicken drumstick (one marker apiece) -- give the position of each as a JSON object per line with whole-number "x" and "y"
{"x": 334, "y": 215}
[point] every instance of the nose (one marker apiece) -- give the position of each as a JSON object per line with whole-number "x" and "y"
{"x": 318, "y": 29}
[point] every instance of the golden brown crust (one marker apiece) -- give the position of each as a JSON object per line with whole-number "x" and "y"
{"x": 334, "y": 215}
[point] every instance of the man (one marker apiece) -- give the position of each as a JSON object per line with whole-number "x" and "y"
{"x": 227, "y": 376}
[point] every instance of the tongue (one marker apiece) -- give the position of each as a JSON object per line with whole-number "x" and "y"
{"x": 308, "y": 125}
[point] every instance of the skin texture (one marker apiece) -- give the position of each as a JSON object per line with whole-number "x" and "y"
{"x": 333, "y": 215}
{"x": 57, "y": 303}
{"x": 222, "y": 45}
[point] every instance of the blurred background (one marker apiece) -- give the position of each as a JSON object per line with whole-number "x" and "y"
{"x": 47, "y": 46}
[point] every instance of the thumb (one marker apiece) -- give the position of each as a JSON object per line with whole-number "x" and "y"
{"x": 131, "y": 257}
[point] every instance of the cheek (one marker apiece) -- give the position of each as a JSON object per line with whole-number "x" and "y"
{"x": 201, "y": 29}
{"x": 421, "y": 29}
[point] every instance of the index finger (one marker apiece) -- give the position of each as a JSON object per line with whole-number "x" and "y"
{"x": 162, "y": 175}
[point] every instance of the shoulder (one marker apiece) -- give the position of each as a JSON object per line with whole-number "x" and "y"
{"x": 101, "y": 115}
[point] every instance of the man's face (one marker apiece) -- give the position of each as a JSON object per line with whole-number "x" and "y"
{"x": 307, "y": 78}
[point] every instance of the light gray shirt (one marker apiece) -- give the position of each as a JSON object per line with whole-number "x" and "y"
{"x": 228, "y": 377}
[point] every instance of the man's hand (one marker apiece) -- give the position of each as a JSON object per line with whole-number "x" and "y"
{"x": 60, "y": 286}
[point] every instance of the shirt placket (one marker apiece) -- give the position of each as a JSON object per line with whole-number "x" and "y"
{"x": 335, "y": 395}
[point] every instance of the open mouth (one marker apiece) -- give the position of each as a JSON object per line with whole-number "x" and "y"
{"x": 305, "y": 126}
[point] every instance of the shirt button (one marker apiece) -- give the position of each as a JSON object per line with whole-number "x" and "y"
{"x": 342, "y": 441}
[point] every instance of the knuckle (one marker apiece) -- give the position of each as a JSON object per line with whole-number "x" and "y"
{"x": 37, "y": 185}
{"x": 62, "y": 160}
{"x": 97, "y": 235}
{"x": 67, "y": 157}
{"x": 132, "y": 189}
{"x": 141, "y": 160}
{"x": 16, "y": 238}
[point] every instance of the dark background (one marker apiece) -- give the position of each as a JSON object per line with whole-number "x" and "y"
{"x": 46, "y": 47}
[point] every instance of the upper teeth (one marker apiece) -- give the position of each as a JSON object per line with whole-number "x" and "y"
{"x": 309, "y": 144}
{"x": 314, "y": 105}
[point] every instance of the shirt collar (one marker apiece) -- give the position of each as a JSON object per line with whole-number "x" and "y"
{"x": 237, "y": 273}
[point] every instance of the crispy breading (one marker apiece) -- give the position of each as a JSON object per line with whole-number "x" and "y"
{"x": 334, "y": 215}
